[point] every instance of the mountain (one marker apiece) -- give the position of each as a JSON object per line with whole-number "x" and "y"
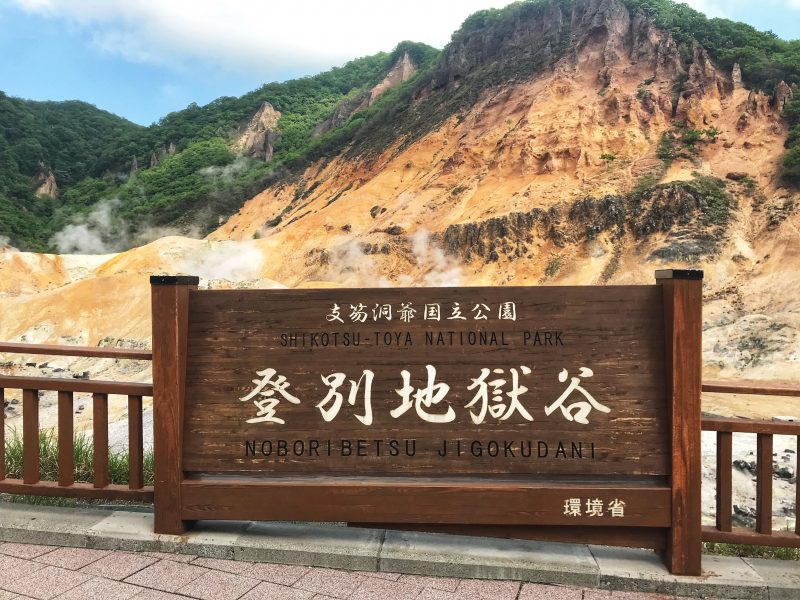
{"x": 550, "y": 142}
{"x": 58, "y": 160}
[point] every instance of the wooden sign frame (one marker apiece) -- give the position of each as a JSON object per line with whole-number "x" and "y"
{"x": 664, "y": 513}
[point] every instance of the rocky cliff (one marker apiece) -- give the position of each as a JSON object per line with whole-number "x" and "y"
{"x": 402, "y": 70}
{"x": 608, "y": 159}
{"x": 256, "y": 137}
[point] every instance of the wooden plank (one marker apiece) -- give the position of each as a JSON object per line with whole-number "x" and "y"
{"x": 100, "y": 439}
{"x": 76, "y": 385}
{"x": 630, "y": 537}
{"x": 433, "y": 501}
{"x": 783, "y": 539}
{"x": 737, "y": 425}
{"x": 30, "y": 435}
{"x": 724, "y": 480}
{"x": 76, "y": 490}
{"x": 135, "y": 443}
{"x": 236, "y": 333}
{"x": 170, "y": 314}
{"x": 86, "y": 351}
{"x": 66, "y": 452}
{"x": 683, "y": 299}
{"x": 2, "y": 434}
{"x": 764, "y": 484}
{"x": 752, "y": 387}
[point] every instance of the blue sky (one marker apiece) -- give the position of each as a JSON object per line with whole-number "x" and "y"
{"x": 142, "y": 59}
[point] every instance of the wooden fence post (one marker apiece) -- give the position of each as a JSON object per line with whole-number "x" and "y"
{"x": 683, "y": 327}
{"x": 170, "y": 314}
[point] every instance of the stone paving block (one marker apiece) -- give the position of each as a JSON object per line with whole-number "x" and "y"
{"x": 339, "y": 584}
{"x": 280, "y": 574}
{"x": 27, "y": 551}
{"x": 158, "y": 595}
{"x": 72, "y": 558}
{"x": 174, "y": 557}
{"x": 12, "y": 568}
{"x": 46, "y": 583}
{"x": 213, "y": 539}
{"x": 448, "y": 584}
{"x": 118, "y": 565}
{"x": 432, "y": 594}
{"x": 491, "y": 590}
{"x": 633, "y": 570}
{"x": 372, "y": 588}
{"x": 537, "y": 591}
{"x": 380, "y": 575}
{"x": 627, "y": 569}
{"x": 616, "y": 595}
{"x": 128, "y": 530}
{"x": 487, "y": 558}
{"x": 286, "y": 543}
{"x": 216, "y": 585}
{"x": 219, "y": 564}
{"x": 271, "y": 591}
{"x": 782, "y": 577}
{"x": 47, "y": 525}
{"x": 166, "y": 575}
{"x": 726, "y": 577}
{"x": 101, "y": 589}
{"x": 4, "y": 595}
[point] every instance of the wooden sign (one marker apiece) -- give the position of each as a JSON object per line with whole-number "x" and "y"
{"x": 479, "y": 381}
{"x": 472, "y": 407}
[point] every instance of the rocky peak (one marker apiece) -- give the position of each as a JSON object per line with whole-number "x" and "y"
{"x": 653, "y": 45}
{"x": 45, "y": 184}
{"x": 757, "y": 103}
{"x": 783, "y": 94}
{"x": 703, "y": 77}
{"x": 158, "y": 155}
{"x": 602, "y": 34}
{"x": 257, "y": 137}
{"x": 401, "y": 72}
{"x": 736, "y": 77}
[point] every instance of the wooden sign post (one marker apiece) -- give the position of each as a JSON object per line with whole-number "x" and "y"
{"x": 560, "y": 413}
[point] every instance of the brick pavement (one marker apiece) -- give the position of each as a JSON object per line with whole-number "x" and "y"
{"x": 45, "y": 572}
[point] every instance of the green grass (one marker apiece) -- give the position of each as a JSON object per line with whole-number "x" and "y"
{"x": 83, "y": 455}
{"x": 745, "y": 551}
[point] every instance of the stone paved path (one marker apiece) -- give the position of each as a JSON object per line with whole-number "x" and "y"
{"x": 44, "y": 572}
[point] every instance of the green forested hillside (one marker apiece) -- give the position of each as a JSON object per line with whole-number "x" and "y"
{"x": 91, "y": 152}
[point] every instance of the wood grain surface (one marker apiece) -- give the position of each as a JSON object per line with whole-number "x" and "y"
{"x": 616, "y": 331}
{"x": 421, "y": 501}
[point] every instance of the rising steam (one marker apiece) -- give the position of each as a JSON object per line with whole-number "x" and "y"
{"x": 428, "y": 266}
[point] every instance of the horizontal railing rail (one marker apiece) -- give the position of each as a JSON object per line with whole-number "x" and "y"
{"x": 83, "y": 386}
{"x": 751, "y": 387}
{"x": 66, "y": 486}
{"x": 764, "y": 429}
{"x": 79, "y": 351}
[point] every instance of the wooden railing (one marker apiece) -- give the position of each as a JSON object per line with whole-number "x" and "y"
{"x": 765, "y": 430}
{"x": 136, "y": 490}
{"x": 66, "y": 485}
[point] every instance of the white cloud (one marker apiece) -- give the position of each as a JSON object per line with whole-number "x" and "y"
{"x": 248, "y": 34}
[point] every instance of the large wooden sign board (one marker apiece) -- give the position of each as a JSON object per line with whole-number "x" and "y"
{"x": 554, "y": 412}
